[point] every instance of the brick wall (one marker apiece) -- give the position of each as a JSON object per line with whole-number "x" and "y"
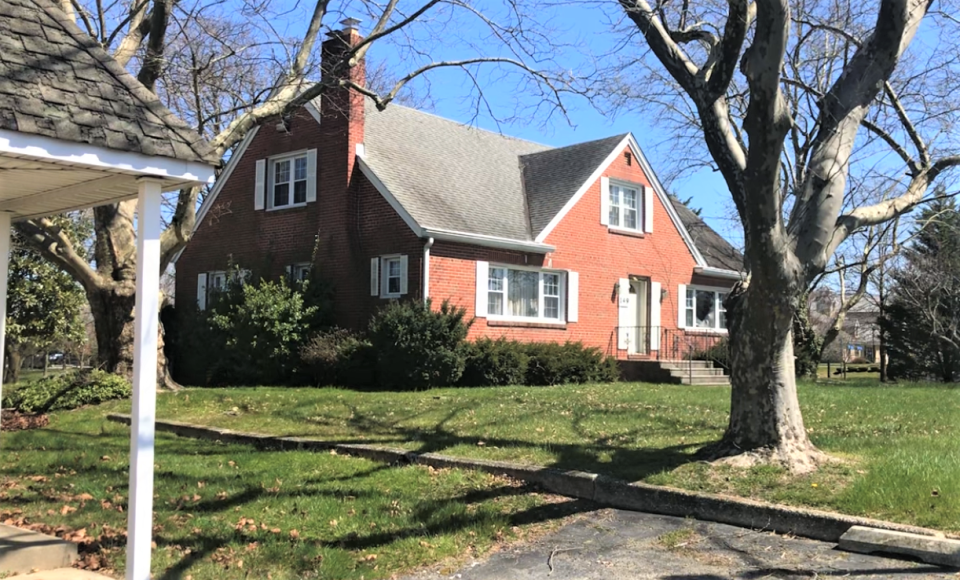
{"x": 349, "y": 223}
{"x": 601, "y": 258}
{"x": 264, "y": 242}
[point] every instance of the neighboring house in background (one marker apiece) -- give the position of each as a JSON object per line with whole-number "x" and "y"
{"x": 575, "y": 243}
{"x": 860, "y": 336}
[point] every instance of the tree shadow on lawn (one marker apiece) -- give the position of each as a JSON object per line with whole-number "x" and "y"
{"x": 598, "y": 454}
{"x": 424, "y": 522}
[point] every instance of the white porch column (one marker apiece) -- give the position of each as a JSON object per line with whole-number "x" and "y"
{"x": 4, "y": 268}
{"x": 140, "y": 508}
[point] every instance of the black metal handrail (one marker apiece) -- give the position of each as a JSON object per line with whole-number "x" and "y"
{"x": 680, "y": 344}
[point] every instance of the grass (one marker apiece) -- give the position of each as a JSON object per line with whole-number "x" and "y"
{"x": 901, "y": 444}
{"x": 229, "y": 511}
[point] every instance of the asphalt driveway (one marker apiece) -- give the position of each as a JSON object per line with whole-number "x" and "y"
{"x": 618, "y": 545}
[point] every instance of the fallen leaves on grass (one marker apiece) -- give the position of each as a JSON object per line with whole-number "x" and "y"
{"x": 17, "y": 421}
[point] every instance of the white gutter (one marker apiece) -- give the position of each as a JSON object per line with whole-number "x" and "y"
{"x": 426, "y": 269}
{"x": 719, "y": 273}
{"x": 488, "y": 241}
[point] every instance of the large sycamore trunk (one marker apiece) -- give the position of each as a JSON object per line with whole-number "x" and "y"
{"x": 113, "y": 309}
{"x": 766, "y": 425}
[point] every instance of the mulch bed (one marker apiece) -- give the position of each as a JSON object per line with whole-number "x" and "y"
{"x": 17, "y": 421}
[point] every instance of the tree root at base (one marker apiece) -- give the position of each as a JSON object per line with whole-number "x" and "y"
{"x": 797, "y": 458}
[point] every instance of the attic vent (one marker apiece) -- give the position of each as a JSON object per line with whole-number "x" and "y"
{"x": 628, "y": 158}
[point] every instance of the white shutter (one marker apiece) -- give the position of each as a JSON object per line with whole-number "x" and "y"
{"x": 289, "y": 272}
{"x": 483, "y": 272}
{"x": 573, "y": 296}
{"x": 403, "y": 274}
{"x": 655, "y": 316}
{"x": 374, "y": 276}
{"x": 258, "y": 193}
{"x": 624, "y": 321}
{"x": 202, "y": 291}
{"x": 604, "y": 200}
{"x": 648, "y": 209}
{"x": 311, "y": 175}
{"x": 682, "y": 306}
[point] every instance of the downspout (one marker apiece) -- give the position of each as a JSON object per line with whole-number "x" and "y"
{"x": 426, "y": 269}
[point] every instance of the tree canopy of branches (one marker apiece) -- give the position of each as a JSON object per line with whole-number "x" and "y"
{"x": 922, "y": 318}
{"x": 227, "y": 67}
{"x": 796, "y": 100}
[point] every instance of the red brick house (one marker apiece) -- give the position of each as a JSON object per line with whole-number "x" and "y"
{"x": 554, "y": 244}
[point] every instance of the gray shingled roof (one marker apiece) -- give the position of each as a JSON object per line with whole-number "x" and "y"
{"x": 55, "y": 81}
{"x": 552, "y": 177}
{"x": 454, "y": 177}
{"x": 448, "y": 175}
{"x": 716, "y": 251}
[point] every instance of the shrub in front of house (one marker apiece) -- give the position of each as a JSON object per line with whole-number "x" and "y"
{"x": 251, "y": 332}
{"x": 495, "y": 362}
{"x": 68, "y": 390}
{"x": 256, "y": 331}
{"x": 551, "y": 363}
{"x": 418, "y": 347}
{"x": 339, "y": 357}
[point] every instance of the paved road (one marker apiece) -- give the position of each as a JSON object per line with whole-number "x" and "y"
{"x": 620, "y": 545}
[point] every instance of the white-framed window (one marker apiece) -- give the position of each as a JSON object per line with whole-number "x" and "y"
{"x": 389, "y": 276}
{"x": 209, "y": 284}
{"x": 288, "y": 181}
{"x": 703, "y": 308}
{"x": 299, "y": 272}
{"x": 216, "y": 282}
{"x": 625, "y": 207}
{"x": 525, "y": 294}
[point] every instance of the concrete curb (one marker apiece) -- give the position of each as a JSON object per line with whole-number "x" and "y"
{"x": 942, "y": 551}
{"x": 607, "y": 491}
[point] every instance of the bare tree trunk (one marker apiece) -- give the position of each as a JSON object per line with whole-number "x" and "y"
{"x": 765, "y": 421}
{"x": 14, "y": 364}
{"x": 112, "y": 310}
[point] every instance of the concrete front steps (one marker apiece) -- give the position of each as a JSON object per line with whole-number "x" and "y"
{"x": 674, "y": 372}
{"x": 23, "y": 551}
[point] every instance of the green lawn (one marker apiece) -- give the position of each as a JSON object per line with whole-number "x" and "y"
{"x": 901, "y": 443}
{"x": 229, "y": 511}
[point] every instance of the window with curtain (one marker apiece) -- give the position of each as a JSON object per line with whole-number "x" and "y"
{"x": 527, "y": 294}
{"x": 704, "y": 309}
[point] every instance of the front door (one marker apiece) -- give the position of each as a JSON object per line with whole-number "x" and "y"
{"x": 639, "y": 314}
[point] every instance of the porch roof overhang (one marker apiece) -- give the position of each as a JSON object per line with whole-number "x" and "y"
{"x": 41, "y": 175}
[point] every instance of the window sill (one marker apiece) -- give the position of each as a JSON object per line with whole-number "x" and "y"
{"x": 391, "y": 296}
{"x": 526, "y": 324}
{"x": 625, "y": 232}
{"x": 292, "y": 206}
{"x": 717, "y": 331}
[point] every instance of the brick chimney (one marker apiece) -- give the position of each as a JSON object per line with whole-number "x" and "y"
{"x": 341, "y": 108}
